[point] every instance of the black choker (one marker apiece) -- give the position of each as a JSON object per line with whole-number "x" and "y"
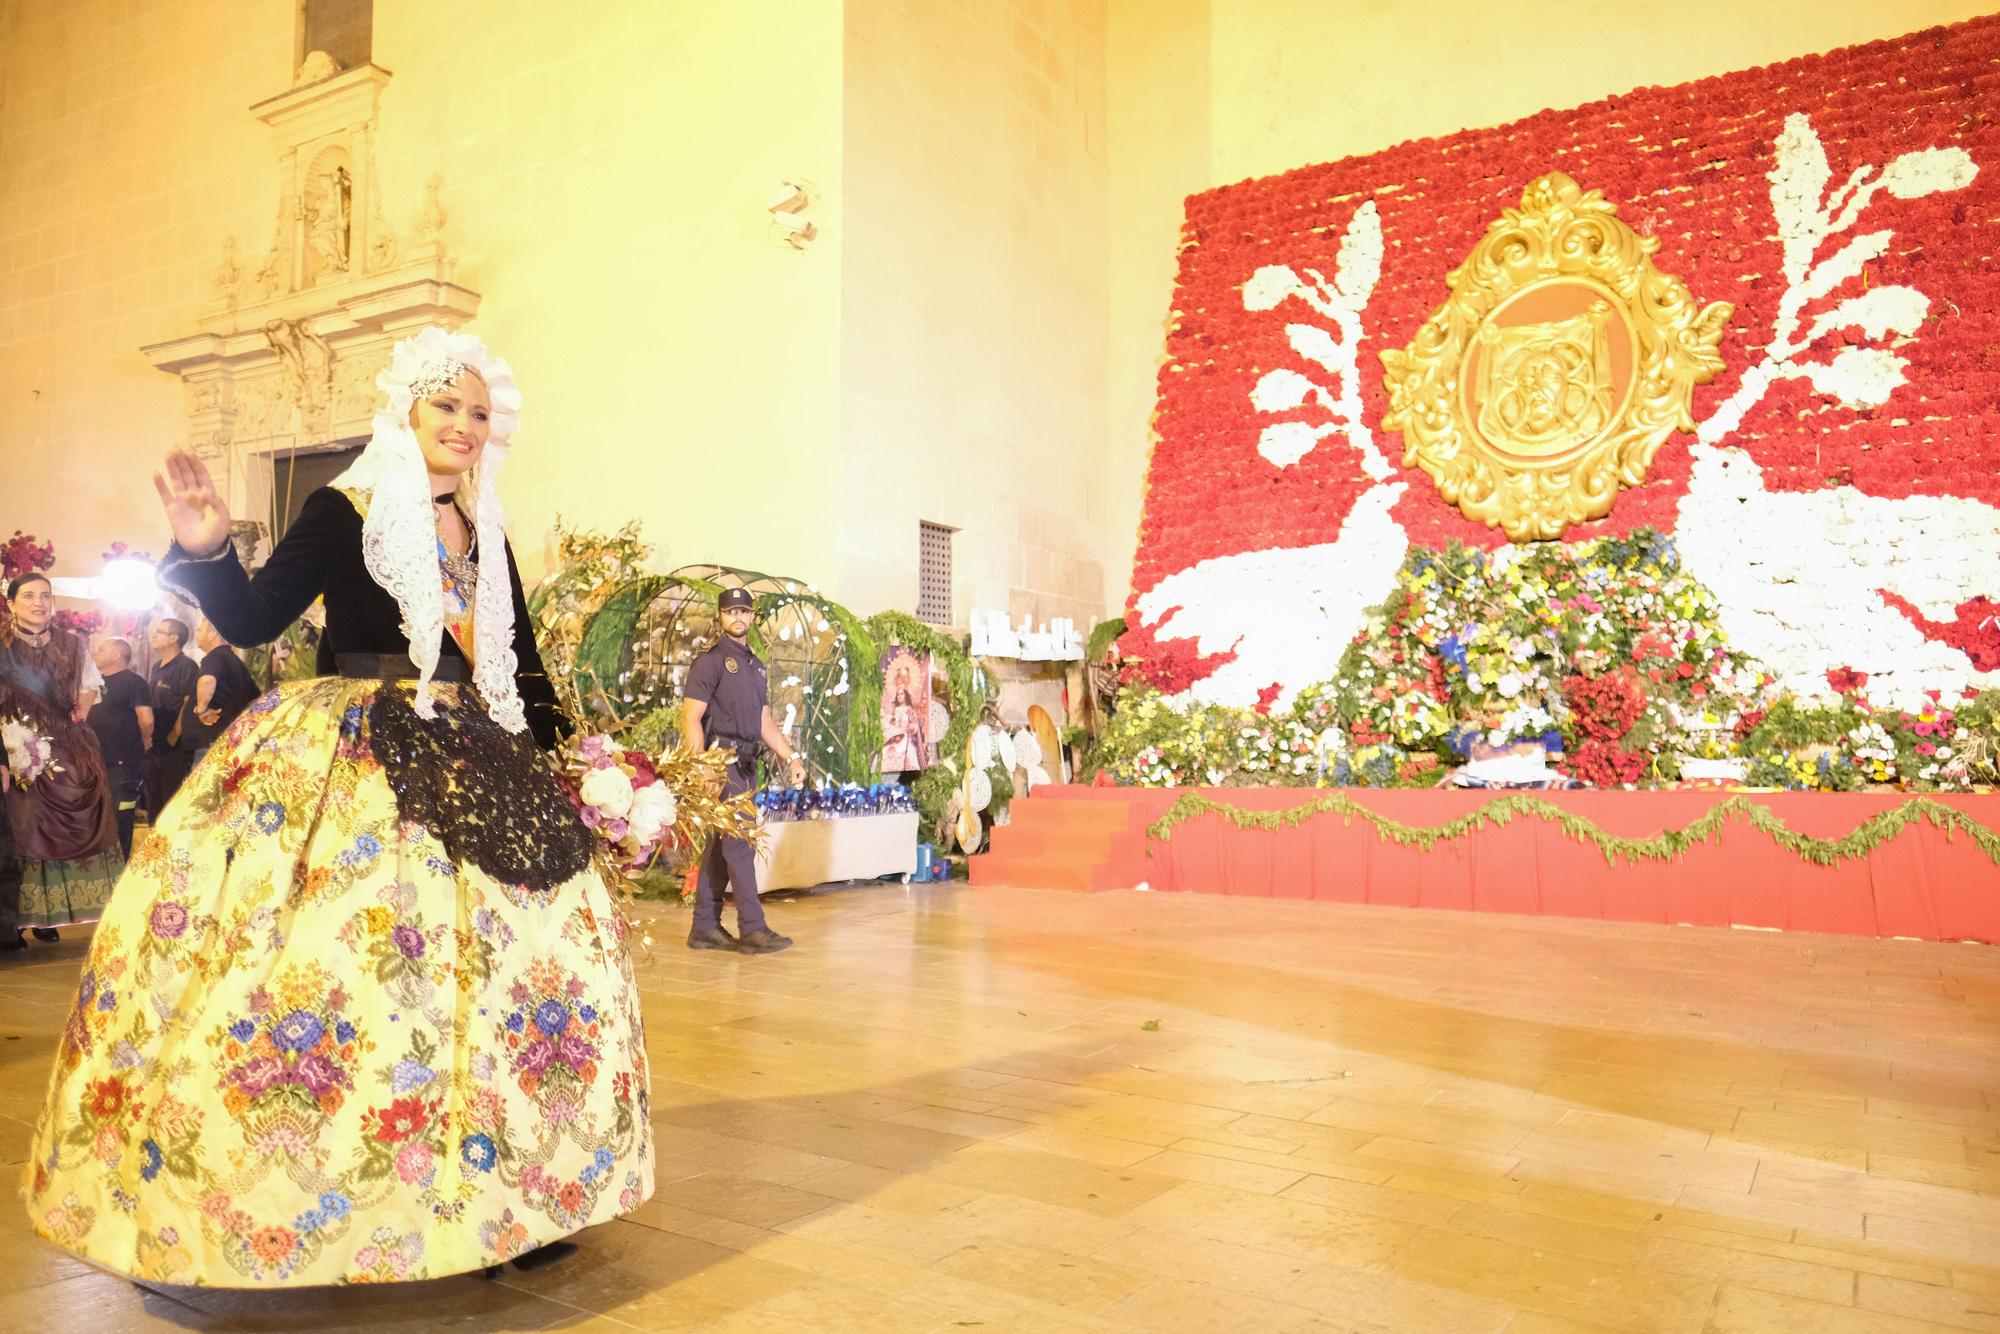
{"x": 444, "y": 499}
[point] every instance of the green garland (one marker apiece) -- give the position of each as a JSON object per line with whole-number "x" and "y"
{"x": 1669, "y": 844}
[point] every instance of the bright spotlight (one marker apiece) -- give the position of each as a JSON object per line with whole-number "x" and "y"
{"x": 128, "y": 585}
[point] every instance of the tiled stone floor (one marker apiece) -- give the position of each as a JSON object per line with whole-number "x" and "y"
{"x": 994, "y": 1110}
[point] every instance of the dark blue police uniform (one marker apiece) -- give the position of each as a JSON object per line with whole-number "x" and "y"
{"x": 731, "y": 681}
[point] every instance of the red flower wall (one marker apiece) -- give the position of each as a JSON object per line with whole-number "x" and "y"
{"x": 1686, "y": 164}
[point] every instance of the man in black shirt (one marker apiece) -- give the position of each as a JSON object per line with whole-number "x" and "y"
{"x": 123, "y": 721}
{"x": 174, "y": 675}
{"x": 222, "y": 691}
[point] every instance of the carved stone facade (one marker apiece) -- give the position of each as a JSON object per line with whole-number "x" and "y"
{"x": 285, "y": 359}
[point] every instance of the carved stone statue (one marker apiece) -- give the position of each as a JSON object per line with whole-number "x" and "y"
{"x": 330, "y": 220}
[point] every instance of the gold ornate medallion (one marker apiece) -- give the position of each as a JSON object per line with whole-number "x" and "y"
{"x": 1555, "y": 370}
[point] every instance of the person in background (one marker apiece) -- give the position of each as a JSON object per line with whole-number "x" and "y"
{"x": 223, "y": 690}
{"x": 65, "y": 823}
{"x": 123, "y": 721}
{"x": 174, "y": 675}
{"x": 727, "y": 703}
{"x": 10, "y": 873}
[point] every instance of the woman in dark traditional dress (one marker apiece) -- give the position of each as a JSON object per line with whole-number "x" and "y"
{"x": 65, "y": 822}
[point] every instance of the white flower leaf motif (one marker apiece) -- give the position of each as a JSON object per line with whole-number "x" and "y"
{"x": 1877, "y": 312}
{"x": 1285, "y": 443}
{"x": 1334, "y": 346}
{"x": 1269, "y": 286}
{"x": 1807, "y": 218}
{"x": 1280, "y": 391}
{"x": 1844, "y": 264}
{"x": 1929, "y": 170}
{"x": 1318, "y": 346}
{"x": 1798, "y": 181}
{"x": 1360, "y": 257}
{"x": 1860, "y": 377}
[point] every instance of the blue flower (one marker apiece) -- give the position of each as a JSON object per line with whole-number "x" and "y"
{"x": 309, "y": 1221}
{"x": 343, "y": 1032}
{"x": 350, "y": 722}
{"x": 243, "y": 1030}
{"x": 270, "y": 817}
{"x": 603, "y": 1159}
{"x": 108, "y": 1001}
{"x": 515, "y": 1023}
{"x": 334, "y": 1205}
{"x": 1452, "y": 651}
{"x": 588, "y": 1014}
{"x": 298, "y": 1031}
{"x": 588, "y": 1175}
{"x": 367, "y": 845}
{"x": 478, "y": 1151}
{"x": 552, "y": 1017}
{"x": 154, "y": 1160}
{"x": 409, "y": 1075}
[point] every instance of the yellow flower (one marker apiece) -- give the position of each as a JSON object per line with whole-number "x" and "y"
{"x": 304, "y": 987}
{"x": 378, "y": 920}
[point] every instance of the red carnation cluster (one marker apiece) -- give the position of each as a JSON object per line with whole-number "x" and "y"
{"x": 1604, "y": 708}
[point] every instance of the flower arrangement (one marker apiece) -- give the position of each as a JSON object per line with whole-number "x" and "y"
{"x": 30, "y": 754}
{"x": 24, "y": 553}
{"x": 639, "y": 805}
{"x": 1608, "y": 652}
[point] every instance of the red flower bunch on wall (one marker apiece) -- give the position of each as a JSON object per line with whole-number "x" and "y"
{"x": 85, "y": 623}
{"x": 1604, "y": 708}
{"x": 23, "y": 553}
{"x": 1605, "y": 764}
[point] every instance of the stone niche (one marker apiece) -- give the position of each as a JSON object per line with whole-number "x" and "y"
{"x": 284, "y": 357}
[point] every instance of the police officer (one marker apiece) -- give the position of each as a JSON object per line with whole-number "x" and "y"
{"x": 725, "y": 703}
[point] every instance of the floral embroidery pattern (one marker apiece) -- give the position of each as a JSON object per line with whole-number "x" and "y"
{"x": 310, "y": 1046}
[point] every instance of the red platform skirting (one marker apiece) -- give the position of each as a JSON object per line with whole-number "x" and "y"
{"x": 1924, "y": 882}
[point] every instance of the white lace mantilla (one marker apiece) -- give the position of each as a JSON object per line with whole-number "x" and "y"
{"x": 399, "y": 530}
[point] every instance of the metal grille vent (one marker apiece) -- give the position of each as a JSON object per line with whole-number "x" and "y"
{"x": 934, "y": 573}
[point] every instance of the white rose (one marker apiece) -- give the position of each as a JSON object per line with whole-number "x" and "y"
{"x": 652, "y": 811}
{"x": 610, "y": 790}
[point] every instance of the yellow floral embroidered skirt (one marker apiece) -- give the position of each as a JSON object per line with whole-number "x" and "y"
{"x": 359, "y": 1011}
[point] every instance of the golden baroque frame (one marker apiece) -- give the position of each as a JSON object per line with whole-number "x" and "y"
{"x": 1535, "y": 425}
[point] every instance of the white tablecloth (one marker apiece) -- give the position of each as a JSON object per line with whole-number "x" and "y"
{"x": 801, "y": 853}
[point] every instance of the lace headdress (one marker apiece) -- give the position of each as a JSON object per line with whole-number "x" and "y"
{"x": 399, "y": 536}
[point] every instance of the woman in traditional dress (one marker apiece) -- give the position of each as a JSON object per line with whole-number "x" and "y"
{"x": 361, "y": 1009}
{"x": 65, "y": 822}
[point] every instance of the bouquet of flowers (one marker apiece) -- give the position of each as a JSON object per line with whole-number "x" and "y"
{"x": 621, "y": 798}
{"x": 29, "y": 753}
{"x": 640, "y": 805}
